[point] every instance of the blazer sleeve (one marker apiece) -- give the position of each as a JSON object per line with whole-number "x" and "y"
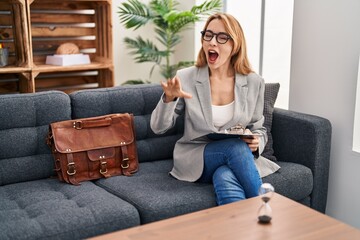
{"x": 256, "y": 124}
{"x": 164, "y": 115}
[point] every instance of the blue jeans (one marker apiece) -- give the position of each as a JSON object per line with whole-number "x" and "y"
{"x": 229, "y": 164}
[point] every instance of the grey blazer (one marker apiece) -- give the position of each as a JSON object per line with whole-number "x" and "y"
{"x": 189, "y": 149}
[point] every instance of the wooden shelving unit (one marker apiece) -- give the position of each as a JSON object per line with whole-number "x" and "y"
{"x": 33, "y": 29}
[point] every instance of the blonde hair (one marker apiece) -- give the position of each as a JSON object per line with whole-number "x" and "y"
{"x": 239, "y": 58}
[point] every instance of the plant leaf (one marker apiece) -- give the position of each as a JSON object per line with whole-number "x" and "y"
{"x": 162, "y": 7}
{"x": 134, "y": 14}
{"x": 167, "y": 38}
{"x": 170, "y": 71}
{"x": 144, "y": 50}
{"x": 135, "y": 81}
{"x": 207, "y": 8}
{"x": 180, "y": 21}
{"x": 183, "y": 64}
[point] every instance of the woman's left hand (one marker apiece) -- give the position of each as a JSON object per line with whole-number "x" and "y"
{"x": 252, "y": 141}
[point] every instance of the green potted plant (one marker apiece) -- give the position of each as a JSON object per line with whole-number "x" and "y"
{"x": 169, "y": 22}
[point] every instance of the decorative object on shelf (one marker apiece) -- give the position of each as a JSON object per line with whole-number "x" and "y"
{"x": 68, "y": 54}
{"x": 266, "y": 192}
{"x": 168, "y": 22}
{"x": 67, "y": 48}
{"x": 68, "y": 59}
{"x": 4, "y": 55}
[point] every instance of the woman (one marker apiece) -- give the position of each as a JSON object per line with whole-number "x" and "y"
{"x": 220, "y": 92}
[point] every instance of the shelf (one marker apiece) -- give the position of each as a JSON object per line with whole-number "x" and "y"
{"x": 14, "y": 34}
{"x": 52, "y": 68}
{"x": 13, "y": 69}
{"x": 36, "y": 28}
{"x": 15, "y": 82}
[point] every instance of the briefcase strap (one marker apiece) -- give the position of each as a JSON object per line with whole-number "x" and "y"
{"x": 103, "y": 169}
{"x": 125, "y": 160}
{"x": 80, "y": 124}
{"x": 71, "y": 170}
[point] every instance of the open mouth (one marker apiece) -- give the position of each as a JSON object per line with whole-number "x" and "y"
{"x": 213, "y": 55}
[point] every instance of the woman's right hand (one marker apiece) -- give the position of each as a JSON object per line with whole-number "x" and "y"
{"x": 172, "y": 89}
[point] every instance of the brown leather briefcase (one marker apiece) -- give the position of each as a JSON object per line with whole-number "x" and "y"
{"x": 92, "y": 148}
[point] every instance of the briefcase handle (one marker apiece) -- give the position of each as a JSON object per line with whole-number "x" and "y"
{"x": 80, "y": 124}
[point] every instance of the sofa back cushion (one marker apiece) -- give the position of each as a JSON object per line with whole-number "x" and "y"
{"x": 270, "y": 96}
{"x": 24, "y": 124}
{"x": 139, "y": 100}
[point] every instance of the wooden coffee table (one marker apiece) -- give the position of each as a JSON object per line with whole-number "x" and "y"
{"x": 291, "y": 220}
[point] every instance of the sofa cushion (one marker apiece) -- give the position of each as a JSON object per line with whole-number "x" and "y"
{"x": 139, "y": 100}
{"x": 24, "y": 124}
{"x": 292, "y": 180}
{"x": 49, "y": 209}
{"x": 160, "y": 196}
{"x": 157, "y": 195}
{"x": 270, "y": 95}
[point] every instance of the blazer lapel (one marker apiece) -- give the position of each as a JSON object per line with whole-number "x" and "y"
{"x": 202, "y": 86}
{"x": 240, "y": 111}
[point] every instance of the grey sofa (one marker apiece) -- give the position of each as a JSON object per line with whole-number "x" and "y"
{"x": 35, "y": 205}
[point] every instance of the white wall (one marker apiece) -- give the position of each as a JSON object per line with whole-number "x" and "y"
{"x": 356, "y": 131}
{"x": 277, "y": 47}
{"x": 325, "y": 55}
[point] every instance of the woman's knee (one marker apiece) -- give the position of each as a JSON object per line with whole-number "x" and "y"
{"x": 224, "y": 174}
{"x": 237, "y": 146}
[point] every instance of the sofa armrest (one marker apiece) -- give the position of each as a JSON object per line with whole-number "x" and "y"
{"x": 305, "y": 139}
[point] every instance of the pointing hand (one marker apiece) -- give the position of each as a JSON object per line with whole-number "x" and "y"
{"x": 172, "y": 89}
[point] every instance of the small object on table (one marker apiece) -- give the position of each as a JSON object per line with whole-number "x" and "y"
{"x": 266, "y": 191}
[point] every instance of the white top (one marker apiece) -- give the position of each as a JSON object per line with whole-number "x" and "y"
{"x": 222, "y": 114}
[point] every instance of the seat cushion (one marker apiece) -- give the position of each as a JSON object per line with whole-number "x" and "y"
{"x": 49, "y": 209}
{"x": 292, "y": 180}
{"x": 157, "y": 195}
